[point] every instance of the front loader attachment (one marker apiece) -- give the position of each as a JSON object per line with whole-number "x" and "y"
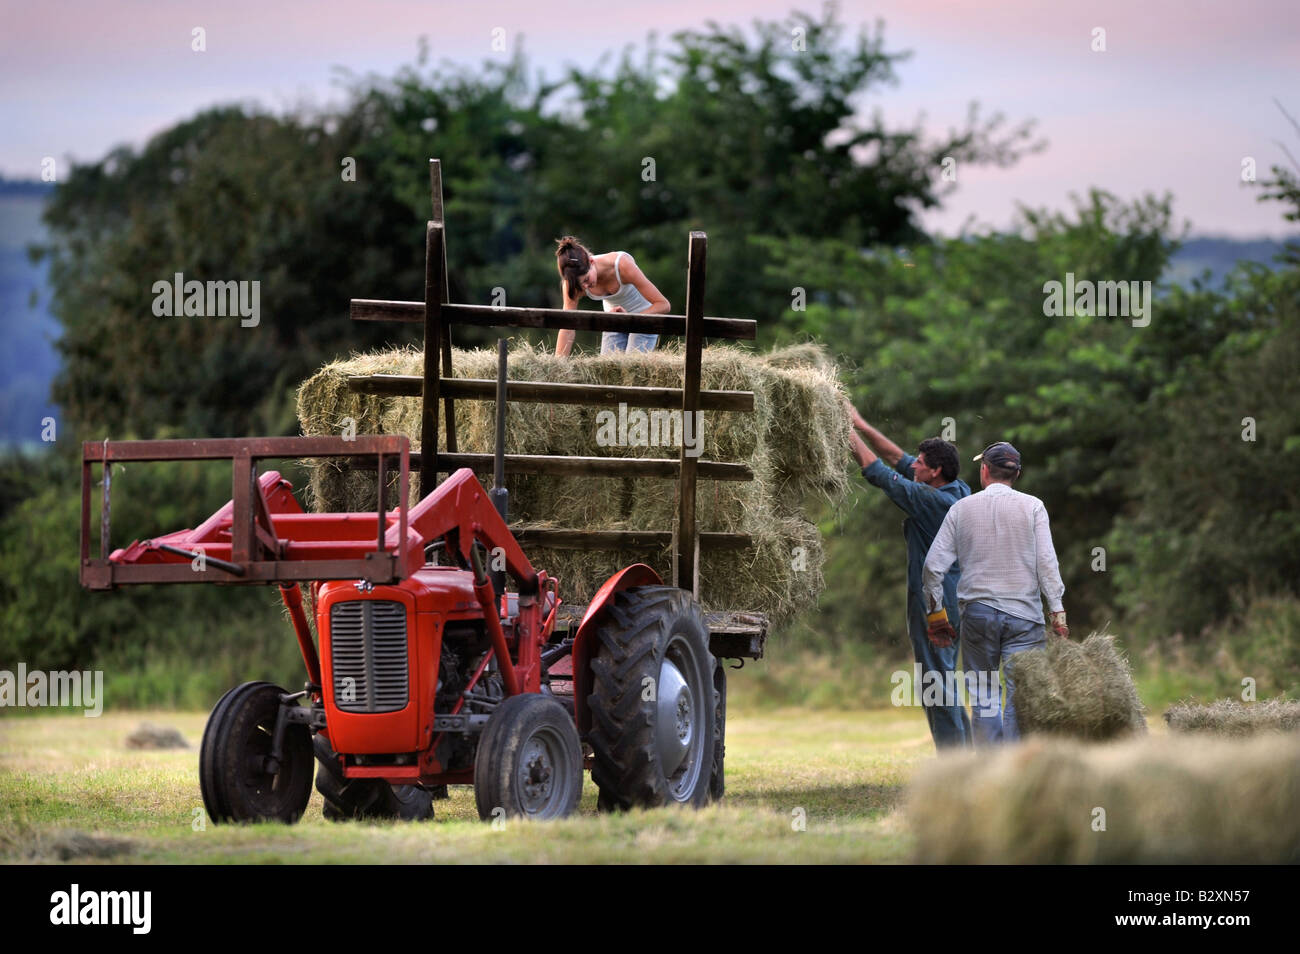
{"x": 262, "y": 535}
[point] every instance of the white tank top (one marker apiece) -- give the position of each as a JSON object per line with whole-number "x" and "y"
{"x": 629, "y": 296}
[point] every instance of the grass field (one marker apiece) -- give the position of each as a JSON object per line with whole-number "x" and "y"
{"x": 70, "y": 790}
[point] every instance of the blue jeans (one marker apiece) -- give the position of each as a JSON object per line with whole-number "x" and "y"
{"x": 988, "y": 638}
{"x": 611, "y": 341}
{"x": 950, "y": 724}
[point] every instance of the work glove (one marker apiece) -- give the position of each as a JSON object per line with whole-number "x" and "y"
{"x": 939, "y": 629}
{"x": 1058, "y": 625}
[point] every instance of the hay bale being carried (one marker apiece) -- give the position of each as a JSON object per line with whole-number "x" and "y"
{"x": 1236, "y": 719}
{"x": 1169, "y": 800}
{"x": 1083, "y": 690}
{"x": 795, "y": 442}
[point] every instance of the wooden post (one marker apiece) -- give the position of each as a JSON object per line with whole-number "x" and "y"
{"x": 435, "y": 192}
{"x": 242, "y": 547}
{"x": 432, "y": 345}
{"x": 686, "y": 564}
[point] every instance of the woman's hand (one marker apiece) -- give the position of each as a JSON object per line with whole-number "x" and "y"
{"x": 619, "y": 308}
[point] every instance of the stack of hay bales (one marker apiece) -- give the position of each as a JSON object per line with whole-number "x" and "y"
{"x": 1162, "y": 801}
{"x": 795, "y": 441}
{"x": 1236, "y": 719}
{"x": 1083, "y": 690}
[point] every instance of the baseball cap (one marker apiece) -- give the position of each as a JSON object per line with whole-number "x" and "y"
{"x": 1000, "y": 454}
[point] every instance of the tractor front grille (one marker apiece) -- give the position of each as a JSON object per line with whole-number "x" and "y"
{"x": 368, "y": 655}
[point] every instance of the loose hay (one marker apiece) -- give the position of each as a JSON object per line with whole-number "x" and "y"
{"x": 794, "y": 441}
{"x": 1165, "y": 801}
{"x": 72, "y": 845}
{"x": 149, "y": 736}
{"x": 1084, "y": 690}
{"x": 1237, "y": 719}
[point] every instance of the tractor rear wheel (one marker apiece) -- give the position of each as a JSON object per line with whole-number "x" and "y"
{"x": 654, "y": 706}
{"x": 238, "y": 780}
{"x": 529, "y": 761}
{"x": 364, "y": 798}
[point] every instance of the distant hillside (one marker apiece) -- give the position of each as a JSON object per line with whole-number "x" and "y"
{"x": 1219, "y": 256}
{"x": 28, "y": 361}
{"x": 24, "y": 187}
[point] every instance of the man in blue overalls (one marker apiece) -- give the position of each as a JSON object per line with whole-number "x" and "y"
{"x": 923, "y": 487}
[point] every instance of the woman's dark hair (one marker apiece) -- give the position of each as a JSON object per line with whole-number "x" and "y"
{"x": 573, "y": 261}
{"x": 942, "y": 456}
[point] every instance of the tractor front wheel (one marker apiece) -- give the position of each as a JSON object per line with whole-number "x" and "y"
{"x": 237, "y": 775}
{"x": 529, "y": 761}
{"x": 655, "y": 715}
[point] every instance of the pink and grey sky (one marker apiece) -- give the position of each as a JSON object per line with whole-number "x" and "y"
{"x": 1182, "y": 94}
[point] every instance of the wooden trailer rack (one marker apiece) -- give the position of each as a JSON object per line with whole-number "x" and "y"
{"x": 732, "y": 634}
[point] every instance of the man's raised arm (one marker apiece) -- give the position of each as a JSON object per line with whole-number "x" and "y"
{"x": 889, "y": 452}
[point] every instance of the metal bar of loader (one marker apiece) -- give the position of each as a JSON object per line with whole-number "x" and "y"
{"x": 499, "y": 496}
{"x": 383, "y": 501}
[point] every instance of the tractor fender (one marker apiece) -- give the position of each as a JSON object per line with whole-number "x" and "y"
{"x": 638, "y": 574}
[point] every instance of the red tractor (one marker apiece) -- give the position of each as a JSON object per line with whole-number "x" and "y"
{"x": 433, "y": 668}
{"x": 427, "y": 673}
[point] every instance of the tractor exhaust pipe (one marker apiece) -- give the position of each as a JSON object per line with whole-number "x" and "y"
{"x": 499, "y": 496}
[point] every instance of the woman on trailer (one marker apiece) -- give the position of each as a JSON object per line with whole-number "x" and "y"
{"x": 613, "y": 279}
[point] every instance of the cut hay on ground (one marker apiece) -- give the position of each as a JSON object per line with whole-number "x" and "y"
{"x": 795, "y": 441}
{"x": 1083, "y": 690}
{"x": 1169, "y": 800}
{"x": 149, "y": 736}
{"x": 1237, "y": 719}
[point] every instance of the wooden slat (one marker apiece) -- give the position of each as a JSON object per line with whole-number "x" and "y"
{"x": 547, "y": 392}
{"x": 552, "y": 319}
{"x": 622, "y": 539}
{"x": 686, "y": 554}
{"x": 560, "y": 466}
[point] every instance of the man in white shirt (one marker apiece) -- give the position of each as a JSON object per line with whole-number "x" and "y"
{"x": 1003, "y": 541}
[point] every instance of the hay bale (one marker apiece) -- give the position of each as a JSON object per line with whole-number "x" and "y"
{"x": 150, "y": 736}
{"x": 795, "y": 442}
{"x": 811, "y": 354}
{"x": 1165, "y": 801}
{"x": 1235, "y": 719}
{"x": 1084, "y": 690}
